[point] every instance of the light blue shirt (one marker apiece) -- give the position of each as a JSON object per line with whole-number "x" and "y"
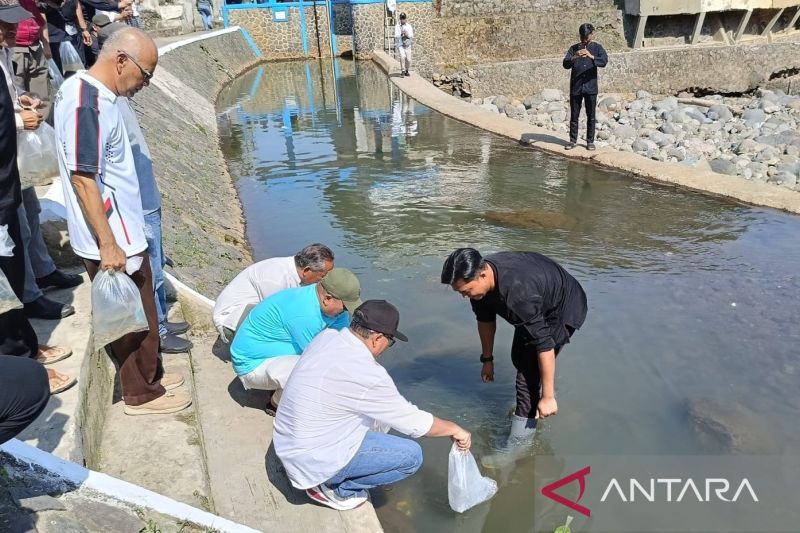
{"x": 148, "y": 188}
{"x": 283, "y": 324}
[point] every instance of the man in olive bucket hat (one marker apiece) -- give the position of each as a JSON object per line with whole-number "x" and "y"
{"x": 269, "y": 342}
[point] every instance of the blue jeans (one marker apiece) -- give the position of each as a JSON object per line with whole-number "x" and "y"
{"x": 382, "y": 459}
{"x": 205, "y": 13}
{"x": 152, "y": 231}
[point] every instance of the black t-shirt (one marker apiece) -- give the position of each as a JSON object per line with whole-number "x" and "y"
{"x": 56, "y": 25}
{"x": 535, "y": 294}
{"x": 10, "y": 194}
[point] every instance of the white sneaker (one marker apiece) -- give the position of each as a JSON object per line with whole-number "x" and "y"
{"x": 327, "y": 496}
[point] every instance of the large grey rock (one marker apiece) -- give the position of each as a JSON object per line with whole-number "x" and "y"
{"x": 677, "y": 152}
{"x": 669, "y": 128}
{"x": 609, "y": 103}
{"x": 552, "y": 95}
{"x": 491, "y": 107}
{"x": 720, "y": 112}
{"x": 625, "y": 132}
{"x": 667, "y": 104}
{"x": 784, "y": 178}
{"x": 638, "y": 106}
{"x": 749, "y": 147}
{"x": 558, "y": 116}
{"x": 642, "y": 95}
{"x": 531, "y": 101}
{"x": 722, "y": 166}
{"x": 678, "y": 116}
{"x": 754, "y": 117}
{"x": 554, "y": 106}
{"x": 695, "y": 113}
{"x": 727, "y": 427}
{"x": 514, "y": 111}
{"x": 501, "y": 101}
{"x": 644, "y": 146}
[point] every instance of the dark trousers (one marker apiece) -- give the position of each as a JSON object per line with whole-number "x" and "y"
{"x": 525, "y": 358}
{"x": 17, "y": 336}
{"x": 24, "y": 391}
{"x": 137, "y": 354}
{"x": 575, "y": 102}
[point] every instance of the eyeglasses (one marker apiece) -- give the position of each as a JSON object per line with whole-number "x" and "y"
{"x": 389, "y": 338}
{"x": 146, "y": 74}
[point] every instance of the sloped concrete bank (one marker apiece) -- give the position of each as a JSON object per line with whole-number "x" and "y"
{"x": 203, "y": 225}
{"x": 669, "y": 173}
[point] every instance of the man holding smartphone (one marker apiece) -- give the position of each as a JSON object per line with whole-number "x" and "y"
{"x": 404, "y": 36}
{"x": 583, "y": 59}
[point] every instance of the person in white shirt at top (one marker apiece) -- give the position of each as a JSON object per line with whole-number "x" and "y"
{"x": 263, "y": 279}
{"x": 404, "y": 37}
{"x": 337, "y": 395}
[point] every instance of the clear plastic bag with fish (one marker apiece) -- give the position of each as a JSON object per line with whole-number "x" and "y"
{"x": 116, "y": 307}
{"x": 36, "y": 155}
{"x": 466, "y": 487}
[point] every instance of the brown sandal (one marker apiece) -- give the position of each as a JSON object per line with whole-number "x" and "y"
{"x": 59, "y": 382}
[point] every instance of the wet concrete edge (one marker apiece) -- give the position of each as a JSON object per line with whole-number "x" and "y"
{"x": 705, "y": 181}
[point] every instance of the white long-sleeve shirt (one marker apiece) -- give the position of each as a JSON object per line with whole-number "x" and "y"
{"x": 400, "y": 40}
{"x": 336, "y": 393}
{"x": 7, "y": 66}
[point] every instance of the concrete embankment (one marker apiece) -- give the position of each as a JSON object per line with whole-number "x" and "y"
{"x": 658, "y": 171}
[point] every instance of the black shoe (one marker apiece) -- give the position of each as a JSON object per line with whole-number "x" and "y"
{"x": 569, "y": 146}
{"x": 177, "y": 328}
{"x": 48, "y": 309}
{"x": 591, "y": 146}
{"x": 168, "y": 261}
{"x": 173, "y": 344}
{"x": 59, "y": 280}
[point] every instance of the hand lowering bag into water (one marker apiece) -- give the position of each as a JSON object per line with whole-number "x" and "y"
{"x": 36, "y": 155}
{"x": 466, "y": 487}
{"x": 116, "y": 307}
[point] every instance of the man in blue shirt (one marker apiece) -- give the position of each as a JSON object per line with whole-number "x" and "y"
{"x": 270, "y": 340}
{"x": 583, "y": 59}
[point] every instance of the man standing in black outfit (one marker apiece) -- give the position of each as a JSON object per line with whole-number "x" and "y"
{"x": 583, "y": 59}
{"x": 543, "y": 302}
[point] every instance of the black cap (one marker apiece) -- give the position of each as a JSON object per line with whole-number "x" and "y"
{"x": 402, "y": 15}
{"x": 380, "y": 316}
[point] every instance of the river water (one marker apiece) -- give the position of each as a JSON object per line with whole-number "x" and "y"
{"x": 693, "y": 301}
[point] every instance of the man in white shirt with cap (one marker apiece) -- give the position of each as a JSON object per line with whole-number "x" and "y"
{"x": 335, "y": 398}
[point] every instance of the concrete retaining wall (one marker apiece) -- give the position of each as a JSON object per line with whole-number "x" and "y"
{"x": 716, "y": 68}
{"x": 203, "y": 225}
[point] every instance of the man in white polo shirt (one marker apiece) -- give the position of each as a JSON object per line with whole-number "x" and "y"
{"x": 104, "y": 209}
{"x": 335, "y": 398}
{"x": 263, "y": 279}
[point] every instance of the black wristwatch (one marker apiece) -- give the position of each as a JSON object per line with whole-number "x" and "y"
{"x": 487, "y": 358}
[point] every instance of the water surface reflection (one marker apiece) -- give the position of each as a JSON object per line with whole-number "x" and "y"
{"x": 690, "y": 297}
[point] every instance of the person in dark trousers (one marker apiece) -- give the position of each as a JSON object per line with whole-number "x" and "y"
{"x": 543, "y": 302}
{"x": 583, "y": 59}
{"x": 24, "y": 392}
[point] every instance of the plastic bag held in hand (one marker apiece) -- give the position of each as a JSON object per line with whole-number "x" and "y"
{"x": 8, "y": 300}
{"x": 55, "y": 75}
{"x": 6, "y": 244}
{"x": 116, "y": 307}
{"x": 36, "y": 155}
{"x": 70, "y": 59}
{"x": 466, "y": 487}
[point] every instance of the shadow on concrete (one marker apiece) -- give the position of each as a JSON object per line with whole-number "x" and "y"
{"x": 254, "y": 398}
{"x": 277, "y": 476}
{"x": 533, "y": 138}
{"x": 49, "y": 427}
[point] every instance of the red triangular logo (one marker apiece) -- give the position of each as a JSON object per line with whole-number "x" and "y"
{"x": 580, "y": 476}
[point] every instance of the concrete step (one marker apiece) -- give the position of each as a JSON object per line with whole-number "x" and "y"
{"x": 162, "y": 453}
{"x": 248, "y": 482}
